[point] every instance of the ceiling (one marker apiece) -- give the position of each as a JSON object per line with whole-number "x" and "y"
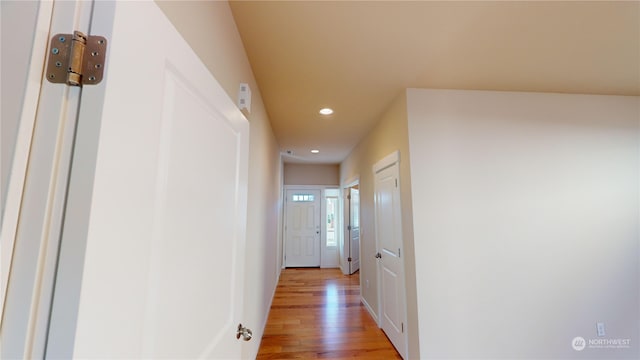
{"x": 358, "y": 56}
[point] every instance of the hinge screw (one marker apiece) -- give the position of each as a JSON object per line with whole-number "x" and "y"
{"x": 55, "y": 51}
{"x": 61, "y": 38}
{"x": 92, "y": 78}
{"x": 58, "y": 64}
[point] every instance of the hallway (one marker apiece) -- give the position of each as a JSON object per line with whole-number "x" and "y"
{"x": 317, "y": 314}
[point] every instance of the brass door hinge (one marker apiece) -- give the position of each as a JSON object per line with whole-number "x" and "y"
{"x": 76, "y": 59}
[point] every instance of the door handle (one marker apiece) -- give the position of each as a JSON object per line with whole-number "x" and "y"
{"x": 244, "y": 332}
{"x": 378, "y": 256}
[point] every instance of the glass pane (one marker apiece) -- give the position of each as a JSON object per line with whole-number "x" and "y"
{"x": 303, "y": 197}
{"x": 332, "y": 217}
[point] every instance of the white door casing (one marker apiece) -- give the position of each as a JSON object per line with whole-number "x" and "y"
{"x": 157, "y": 196}
{"x": 37, "y": 191}
{"x": 302, "y": 228}
{"x": 388, "y": 225}
{"x": 354, "y": 230}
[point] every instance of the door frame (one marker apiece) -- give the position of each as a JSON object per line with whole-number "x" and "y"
{"x": 391, "y": 160}
{"x": 36, "y": 198}
{"x": 24, "y": 137}
{"x": 323, "y": 228}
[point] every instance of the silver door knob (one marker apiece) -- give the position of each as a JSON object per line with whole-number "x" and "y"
{"x": 244, "y": 332}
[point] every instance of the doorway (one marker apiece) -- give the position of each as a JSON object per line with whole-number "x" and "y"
{"x": 302, "y": 228}
{"x": 352, "y": 228}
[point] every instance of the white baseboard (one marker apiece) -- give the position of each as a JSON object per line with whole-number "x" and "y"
{"x": 266, "y": 318}
{"x": 370, "y": 310}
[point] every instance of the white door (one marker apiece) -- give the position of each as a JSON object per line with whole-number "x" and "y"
{"x": 354, "y": 230}
{"x": 390, "y": 261}
{"x": 151, "y": 261}
{"x": 302, "y": 228}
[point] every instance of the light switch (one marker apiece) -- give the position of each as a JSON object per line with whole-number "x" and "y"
{"x": 600, "y": 327}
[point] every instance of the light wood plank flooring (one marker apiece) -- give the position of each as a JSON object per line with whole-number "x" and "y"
{"x": 317, "y": 314}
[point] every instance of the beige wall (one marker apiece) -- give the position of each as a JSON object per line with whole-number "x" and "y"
{"x": 526, "y": 220}
{"x": 209, "y": 27}
{"x": 311, "y": 174}
{"x": 390, "y": 134}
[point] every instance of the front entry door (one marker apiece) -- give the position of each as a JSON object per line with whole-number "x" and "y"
{"x": 389, "y": 243}
{"x": 152, "y": 251}
{"x": 302, "y": 228}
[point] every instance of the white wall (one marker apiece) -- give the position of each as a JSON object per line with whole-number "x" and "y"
{"x": 526, "y": 222}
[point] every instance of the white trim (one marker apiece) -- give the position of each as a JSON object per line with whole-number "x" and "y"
{"x": 17, "y": 178}
{"x": 266, "y": 317}
{"x": 351, "y": 182}
{"x": 386, "y": 161}
{"x": 280, "y": 219}
{"x": 369, "y": 309}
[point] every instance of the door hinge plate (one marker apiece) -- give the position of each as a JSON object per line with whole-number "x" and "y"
{"x": 76, "y": 59}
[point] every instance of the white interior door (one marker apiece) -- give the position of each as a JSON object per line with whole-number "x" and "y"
{"x": 390, "y": 265}
{"x": 354, "y": 230}
{"x": 151, "y": 261}
{"x": 302, "y": 228}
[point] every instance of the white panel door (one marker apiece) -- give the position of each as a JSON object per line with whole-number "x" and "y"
{"x": 157, "y": 197}
{"x": 302, "y": 228}
{"x": 390, "y": 265}
{"x": 354, "y": 230}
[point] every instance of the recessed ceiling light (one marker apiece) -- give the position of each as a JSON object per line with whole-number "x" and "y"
{"x": 315, "y": 151}
{"x": 326, "y": 111}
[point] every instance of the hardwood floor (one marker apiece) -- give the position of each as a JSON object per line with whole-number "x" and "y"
{"x": 317, "y": 314}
